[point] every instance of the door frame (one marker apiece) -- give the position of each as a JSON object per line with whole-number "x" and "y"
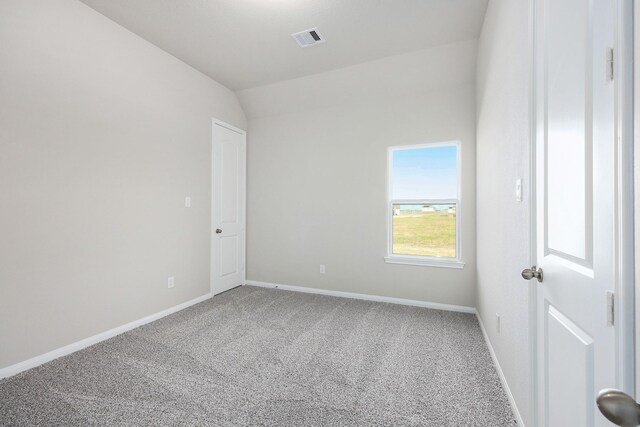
{"x": 212, "y": 254}
{"x": 635, "y": 76}
{"x": 625, "y": 286}
{"x": 626, "y": 328}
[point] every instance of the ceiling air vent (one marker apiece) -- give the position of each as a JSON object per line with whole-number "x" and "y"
{"x": 308, "y": 38}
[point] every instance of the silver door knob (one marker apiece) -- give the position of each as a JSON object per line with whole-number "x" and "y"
{"x": 618, "y": 407}
{"x": 533, "y": 272}
{"x": 218, "y": 231}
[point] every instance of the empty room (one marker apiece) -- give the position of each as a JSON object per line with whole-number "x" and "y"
{"x": 319, "y": 213}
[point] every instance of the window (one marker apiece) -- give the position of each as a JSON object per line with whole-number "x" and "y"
{"x": 424, "y": 205}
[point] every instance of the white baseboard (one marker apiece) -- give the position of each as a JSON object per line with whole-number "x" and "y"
{"x": 503, "y": 379}
{"x": 401, "y": 301}
{"x": 79, "y": 345}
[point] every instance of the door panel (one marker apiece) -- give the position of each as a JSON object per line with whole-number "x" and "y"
{"x": 229, "y": 185}
{"x": 573, "y": 371}
{"x": 228, "y": 255}
{"x": 228, "y": 208}
{"x": 567, "y": 138}
{"x": 575, "y": 171}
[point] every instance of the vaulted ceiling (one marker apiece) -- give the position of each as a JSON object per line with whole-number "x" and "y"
{"x": 248, "y": 43}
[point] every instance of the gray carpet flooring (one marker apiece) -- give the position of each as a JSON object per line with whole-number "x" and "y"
{"x": 265, "y": 357}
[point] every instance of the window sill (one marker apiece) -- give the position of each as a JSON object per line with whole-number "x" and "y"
{"x": 425, "y": 261}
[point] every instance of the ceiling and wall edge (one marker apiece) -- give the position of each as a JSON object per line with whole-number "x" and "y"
{"x": 409, "y": 74}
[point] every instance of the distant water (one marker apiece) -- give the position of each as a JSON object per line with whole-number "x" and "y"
{"x": 438, "y": 207}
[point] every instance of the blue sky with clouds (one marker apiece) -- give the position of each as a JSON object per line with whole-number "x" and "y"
{"x": 425, "y": 173}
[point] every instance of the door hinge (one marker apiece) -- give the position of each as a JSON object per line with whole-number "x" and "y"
{"x": 610, "y": 64}
{"x": 611, "y": 308}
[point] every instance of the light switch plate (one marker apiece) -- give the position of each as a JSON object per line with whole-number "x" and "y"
{"x": 187, "y": 202}
{"x": 519, "y": 190}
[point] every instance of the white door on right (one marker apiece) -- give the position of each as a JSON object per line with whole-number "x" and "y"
{"x": 575, "y": 205}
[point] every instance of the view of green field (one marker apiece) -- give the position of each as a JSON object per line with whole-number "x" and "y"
{"x": 425, "y": 233}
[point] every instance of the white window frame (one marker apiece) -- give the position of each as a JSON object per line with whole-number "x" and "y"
{"x": 424, "y": 260}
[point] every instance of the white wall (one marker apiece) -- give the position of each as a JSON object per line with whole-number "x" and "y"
{"x": 102, "y": 135}
{"x": 502, "y": 223}
{"x": 317, "y": 150}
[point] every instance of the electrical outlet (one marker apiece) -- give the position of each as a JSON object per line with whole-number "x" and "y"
{"x": 322, "y": 269}
{"x": 498, "y": 323}
{"x": 171, "y": 282}
{"x": 187, "y": 202}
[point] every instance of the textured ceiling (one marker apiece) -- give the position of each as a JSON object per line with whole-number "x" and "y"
{"x": 248, "y": 43}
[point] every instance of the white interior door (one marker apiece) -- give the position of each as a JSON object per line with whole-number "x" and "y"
{"x": 228, "y": 207}
{"x": 576, "y": 208}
